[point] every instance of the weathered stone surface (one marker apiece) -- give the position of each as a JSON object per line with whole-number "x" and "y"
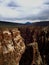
{"x": 11, "y": 46}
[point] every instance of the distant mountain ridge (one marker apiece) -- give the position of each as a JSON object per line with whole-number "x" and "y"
{"x": 41, "y": 23}
{"x": 28, "y": 23}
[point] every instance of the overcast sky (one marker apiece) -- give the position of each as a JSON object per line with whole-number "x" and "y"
{"x": 22, "y": 11}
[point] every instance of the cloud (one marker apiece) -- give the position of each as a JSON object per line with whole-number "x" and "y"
{"x": 12, "y": 4}
{"x": 47, "y": 2}
{"x": 12, "y": 10}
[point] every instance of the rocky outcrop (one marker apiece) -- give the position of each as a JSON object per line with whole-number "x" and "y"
{"x": 11, "y": 46}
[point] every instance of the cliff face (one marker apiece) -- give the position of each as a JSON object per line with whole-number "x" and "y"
{"x": 11, "y": 46}
{"x": 14, "y": 40}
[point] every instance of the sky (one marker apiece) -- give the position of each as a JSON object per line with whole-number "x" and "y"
{"x": 22, "y": 11}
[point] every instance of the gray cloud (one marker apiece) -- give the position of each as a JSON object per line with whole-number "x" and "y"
{"x": 46, "y": 2}
{"x": 12, "y": 4}
{"x": 1, "y": 1}
{"x": 25, "y": 14}
{"x": 44, "y": 15}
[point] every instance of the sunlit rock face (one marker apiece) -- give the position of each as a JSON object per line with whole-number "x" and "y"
{"x": 11, "y": 46}
{"x": 18, "y": 44}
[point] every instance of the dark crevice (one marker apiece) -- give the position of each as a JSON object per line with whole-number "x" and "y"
{"x": 27, "y": 57}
